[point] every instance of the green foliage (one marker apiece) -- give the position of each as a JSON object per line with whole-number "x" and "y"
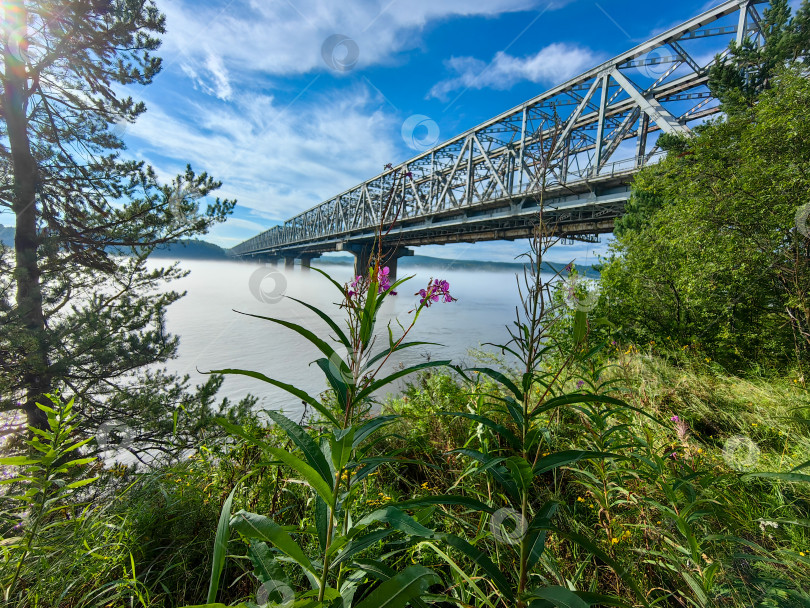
{"x": 690, "y": 529}
{"x": 334, "y": 465}
{"x": 749, "y": 69}
{"x": 75, "y": 315}
{"x": 723, "y": 263}
{"x": 48, "y": 482}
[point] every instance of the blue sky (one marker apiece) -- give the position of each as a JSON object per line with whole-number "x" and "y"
{"x": 247, "y": 95}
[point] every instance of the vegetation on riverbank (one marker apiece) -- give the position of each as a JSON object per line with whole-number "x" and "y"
{"x": 148, "y": 534}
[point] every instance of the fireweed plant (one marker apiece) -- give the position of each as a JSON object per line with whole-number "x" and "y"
{"x": 516, "y": 455}
{"x": 335, "y": 462}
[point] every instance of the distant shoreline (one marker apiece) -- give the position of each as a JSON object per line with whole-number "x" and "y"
{"x": 203, "y": 250}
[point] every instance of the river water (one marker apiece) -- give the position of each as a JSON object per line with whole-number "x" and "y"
{"x": 213, "y": 336}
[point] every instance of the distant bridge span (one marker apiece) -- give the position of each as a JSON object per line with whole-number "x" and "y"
{"x": 487, "y": 183}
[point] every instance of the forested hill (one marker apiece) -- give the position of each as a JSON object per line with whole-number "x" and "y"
{"x": 202, "y": 250}
{"x": 186, "y": 249}
{"x": 7, "y": 235}
{"x": 422, "y": 261}
{"x": 191, "y": 250}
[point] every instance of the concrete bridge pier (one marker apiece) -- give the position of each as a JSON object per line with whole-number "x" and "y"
{"x": 363, "y": 255}
{"x": 306, "y": 261}
{"x": 362, "y": 259}
{"x": 390, "y": 258}
{"x": 266, "y": 259}
{"x": 289, "y": 263}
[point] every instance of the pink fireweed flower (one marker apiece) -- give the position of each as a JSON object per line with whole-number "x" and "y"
{"x": 435, "y": 291}
{"x": 384, "y": 280}
{"x": 675, "y": 419}
{"x": 357, "y": 286}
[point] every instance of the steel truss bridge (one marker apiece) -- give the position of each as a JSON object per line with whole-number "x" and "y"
{"x": 558, "y": 149}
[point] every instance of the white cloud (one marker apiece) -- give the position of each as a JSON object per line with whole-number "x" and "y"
{"x": 276, "y": 161}
{"x": 554, "y": 64}
{"x": 214, "y": 78}
{"x": 217, "y": 69}
{"x": 286, "y": 38}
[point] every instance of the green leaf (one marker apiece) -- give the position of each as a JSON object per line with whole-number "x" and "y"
{"x": 309, "y": 474}
{"x": 564, "y": 598}
{"x": 80, "y": 461}
{"x": 521, "y": 472}
{"x": 305, "y": 443}
{"x": 220, "y": 548}
{"x": 341, "y": 388}
{"x": 265, "y": 566}
{"x": 361, "y": 543}
{"x": 342, "y": 448}
{"x": 77, "y": 445}
{"x": 17, "y": 461}
{"x": 447, "y": 499}
{"x": 82, "y": 482}
{"x": 499, "y": 377}
{"x": 581, "y": 398}
{"x": 580, "y": 326}
{"x": 378, "y": 384}
{"x": 560, "y": 597}
{"x": 515, "y": 411}
{"x": 397, "y": 591}
{"x": 483, "y": 562}
{"x": 559, "y": 459}
{"x": 499, "y": 473}
{"x": 235, "y": 429}
{"x": 793, "y": 477}
{"x": 592, "y": 548}
{"x": 325, "y": 317}
{"x": 403, "y": 346}
{"x": 321, "y": 345}
{"x": 537, "y": 532}
{"x": 286, "y": 387}
{"x": 350, "y": 585}
{"x": 696, "y": 588}
{"x": 217, "y": 605}
{"x": 397, "y": 520}
{"x": 498, "y": 428}
{"x": 369, "y": 427}
{"x": 597, "y": 599}
{"x": 321, "y": 521}
{"x": 331, "y": 280}
{"x": 263, "y": 528}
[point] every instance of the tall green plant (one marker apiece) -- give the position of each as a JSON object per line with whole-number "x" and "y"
{"x": 522, "y": 457}
{"x": 48, "y": 482}
{"x": 334, "y": 465}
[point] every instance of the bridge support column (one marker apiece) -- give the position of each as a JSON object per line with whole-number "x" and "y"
{"x": 390, "y": 258}
{"x": 306, "y": 261}
{"x": 362, "y": 259}
{"x": 364, "y": 254}
{"x": 289, "y": 263}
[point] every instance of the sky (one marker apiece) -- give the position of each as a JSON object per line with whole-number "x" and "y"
{"x": 290, "y": 102}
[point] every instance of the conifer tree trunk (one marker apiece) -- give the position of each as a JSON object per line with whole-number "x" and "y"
{"x": 35, "y": 380}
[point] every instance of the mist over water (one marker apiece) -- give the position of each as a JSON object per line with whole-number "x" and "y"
{"x": 213, "y": 336}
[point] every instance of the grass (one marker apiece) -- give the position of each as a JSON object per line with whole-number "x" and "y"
{"x": 691, "y": 530}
